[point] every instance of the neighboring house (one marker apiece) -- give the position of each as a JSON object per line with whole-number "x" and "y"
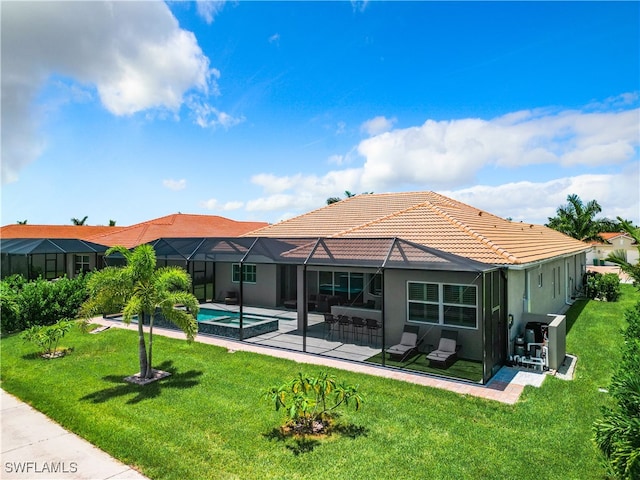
{"x": 54, "y": 256}
{"x": 50, "y": 251}
{"x": 613, "y": 241}
{"x": 178, "y": 225}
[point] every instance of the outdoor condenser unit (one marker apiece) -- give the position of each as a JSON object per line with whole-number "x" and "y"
{"x": 557, "y": 341}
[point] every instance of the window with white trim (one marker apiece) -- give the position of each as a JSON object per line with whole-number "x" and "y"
{"x": 248, "y": 273}
{"x": 442, "y": 304}
{"x": 82, "y": 264}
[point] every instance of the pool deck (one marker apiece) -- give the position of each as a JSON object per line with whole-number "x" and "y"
{"x": 505, "y": 387}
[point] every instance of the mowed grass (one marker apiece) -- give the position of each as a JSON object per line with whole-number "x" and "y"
{"x": 208, "y": 421}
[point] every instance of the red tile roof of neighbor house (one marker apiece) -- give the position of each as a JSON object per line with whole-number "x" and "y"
{"x": 432, "y": 220}
{"x": 608, "y": 236}
{"x": 178, "y": 225}
{"x": 80, "y": 232}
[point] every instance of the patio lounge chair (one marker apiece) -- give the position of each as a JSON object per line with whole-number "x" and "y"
{"x": 231, "y": 298}
{"x": 408, "y": 345}
{"x": 447, "y": 352}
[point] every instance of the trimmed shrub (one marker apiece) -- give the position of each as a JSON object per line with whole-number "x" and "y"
{"x": 40, "y": 302}
{"x": 602, "y": 287}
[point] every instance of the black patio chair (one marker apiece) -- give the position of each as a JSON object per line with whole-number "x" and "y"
{"x": 373, "y": 326}
{"x": 358, "y": 324}
{"x": 330, "y": 323}
{"x": 343, "y": 323}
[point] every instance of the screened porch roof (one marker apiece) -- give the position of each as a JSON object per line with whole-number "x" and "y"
{"x": 340, "y": 251}
{"x": 32, "y": 246}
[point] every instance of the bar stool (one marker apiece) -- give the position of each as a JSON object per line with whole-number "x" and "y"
{"x": 329, "y": 323}
{"x": 343, "y": 323}
{"x": 358, "y": 326}
{"x": 372, "y": 327}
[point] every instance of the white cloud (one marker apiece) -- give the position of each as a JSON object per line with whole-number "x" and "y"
{"x": 446, "y": 155}
{"x": 208, "y": 116}
{"x": 214, "y": 204}
{"x": 359, "y": 5}
{"x": 275, "y": 38}
{"x": 336, "y": 159}
{"x": 535, "y": 202}
{"x": 134, "y": 54}
{"x": 208, "y": 9}
{"x": 450, "y": 153}
{"x": 378, "y": 125}
{"x": 175, "y": 185}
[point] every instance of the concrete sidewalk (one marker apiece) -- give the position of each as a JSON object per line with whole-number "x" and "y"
{"x": 35, "y": 447}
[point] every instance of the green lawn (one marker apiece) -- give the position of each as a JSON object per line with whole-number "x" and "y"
{"x": 207, "y": 420}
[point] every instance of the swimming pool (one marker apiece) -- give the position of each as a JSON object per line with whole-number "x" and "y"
{"x": 227, "y": 324}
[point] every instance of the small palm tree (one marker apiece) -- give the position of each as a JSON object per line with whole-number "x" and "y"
{"x": 139, "y": 289}
{"x": 619, "y": 257}
{"x": 112, "y": 223}
{"x": 76, "y": 221}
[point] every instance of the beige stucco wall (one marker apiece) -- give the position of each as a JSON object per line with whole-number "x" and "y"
{"x": 263, "y": 293}
{"x": 561, "y": 279}
{"x": 395, "y": 309}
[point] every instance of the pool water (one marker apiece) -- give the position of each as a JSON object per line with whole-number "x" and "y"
{"x": 222, "y": 316}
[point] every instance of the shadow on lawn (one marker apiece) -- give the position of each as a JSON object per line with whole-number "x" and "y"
{"x": 175, "y": 380}
{"x": 299, "y": 444}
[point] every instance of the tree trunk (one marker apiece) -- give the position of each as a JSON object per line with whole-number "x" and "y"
{"x": 142, "y": 349}
{"x": 149, "y": 372}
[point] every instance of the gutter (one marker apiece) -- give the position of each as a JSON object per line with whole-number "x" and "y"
{"x": 525, "y": 266}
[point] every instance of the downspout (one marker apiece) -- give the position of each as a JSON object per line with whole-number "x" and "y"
{"x": 567, "y": 285}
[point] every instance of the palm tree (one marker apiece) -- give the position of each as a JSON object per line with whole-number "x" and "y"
{"x": 139, "y": 289}
{"x": 347, "y": 194}
{"x": 75, "y": 221}
{"x": 619, "y": 257}
{"x": 112, "y": 223}
{"x": 577, "y": 219}
{"x": 23, "y": 222}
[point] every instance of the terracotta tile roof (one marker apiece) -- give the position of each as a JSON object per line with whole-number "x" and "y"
{"x": 178, "y": 225}
{"x": 80, "y": 232}
{"x": 433, "y": 220}
{"x": 609, "y": 236}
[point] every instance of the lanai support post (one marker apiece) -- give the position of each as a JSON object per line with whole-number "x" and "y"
{"x": 305, "y": 308}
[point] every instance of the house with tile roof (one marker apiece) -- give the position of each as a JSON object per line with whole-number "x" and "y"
{"x": 527, "y": 269}
{"x": 612, "y": 241}
{"x": 53, "y": 255}
{"x": 415, "y": 261}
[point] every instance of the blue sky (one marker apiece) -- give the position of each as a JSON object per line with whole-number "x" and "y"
{"x": 262, "y": 110}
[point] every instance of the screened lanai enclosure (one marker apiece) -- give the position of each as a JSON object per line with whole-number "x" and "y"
{"x": 359, "y": 299}
{"x": 49, "y": 258}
